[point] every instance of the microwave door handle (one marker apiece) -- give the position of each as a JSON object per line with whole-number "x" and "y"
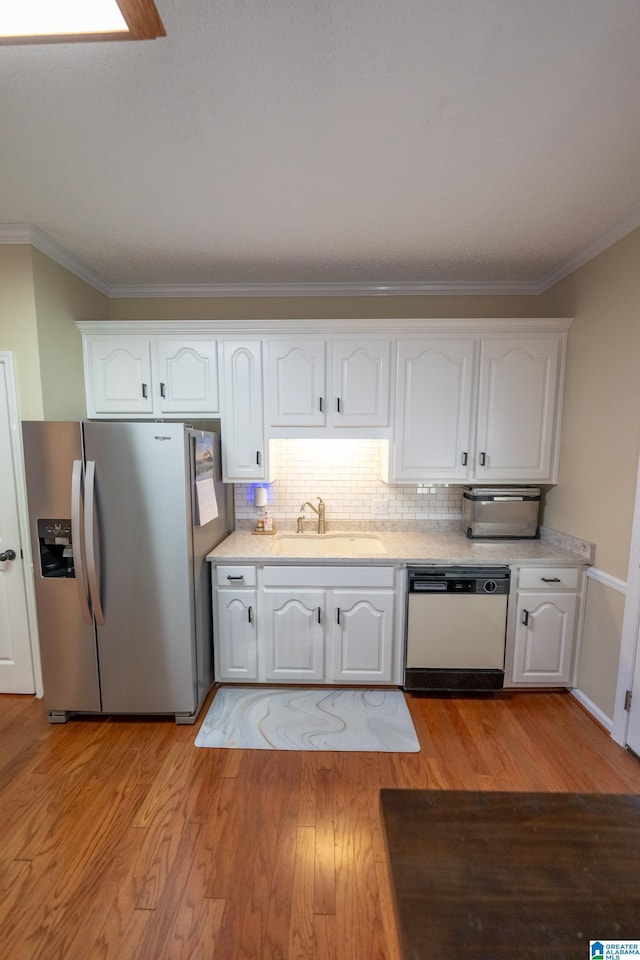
{"x": 77, "y": 541}
{"x": 90, "y": 542}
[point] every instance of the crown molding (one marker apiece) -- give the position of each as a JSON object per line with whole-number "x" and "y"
{"x": 18, "y": 233}
{"x": 26, "y": 234}
{"x": 393, "y": 288}
{"x": 597, "y": 246}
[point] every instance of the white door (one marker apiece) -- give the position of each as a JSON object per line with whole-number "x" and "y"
{"x": 297, "y": 383}
{"x": 516, "y": 409}
{"x": 361, "y": 383}
{"x": 16, "y": 667}
{"x": 243, "y": 448}
{"x": 433, "y": 410}
{"x": 294, "y": 635}
{"x": 363, "y": 636}
{"x": 119, "y": 375}
{"x": 543, "y": 645}
{"x": 188, "y": 376}
{"x": 236, "y": 642}
{"x": 633, "y": 730}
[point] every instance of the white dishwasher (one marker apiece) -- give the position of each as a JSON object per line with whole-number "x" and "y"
{"x": 456, "y": 627}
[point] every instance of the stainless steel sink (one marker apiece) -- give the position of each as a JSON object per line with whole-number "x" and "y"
{"x": 328, "y": 545}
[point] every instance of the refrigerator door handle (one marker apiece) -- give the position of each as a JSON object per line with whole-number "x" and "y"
{"x": 90, "y": 541}
{"x": 77, "y": 540}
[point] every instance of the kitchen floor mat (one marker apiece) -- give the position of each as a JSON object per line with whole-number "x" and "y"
{"x": 268, "y": 718}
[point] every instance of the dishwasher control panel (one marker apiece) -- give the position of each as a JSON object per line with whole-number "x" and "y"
{"x": 459, "y": 580}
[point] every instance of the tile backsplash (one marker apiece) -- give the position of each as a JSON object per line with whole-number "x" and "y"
{"x": 346, "y": 474}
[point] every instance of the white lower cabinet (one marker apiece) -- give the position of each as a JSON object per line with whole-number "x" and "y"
{"x": 306, "y": 624}
{"x": 542, "y": 627}
{"x": 235, "y": 635}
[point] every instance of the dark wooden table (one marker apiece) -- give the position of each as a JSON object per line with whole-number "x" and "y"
{"x": 512, "y": 876}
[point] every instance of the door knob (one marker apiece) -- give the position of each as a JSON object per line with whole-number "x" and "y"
{"x": 7, "y": 555}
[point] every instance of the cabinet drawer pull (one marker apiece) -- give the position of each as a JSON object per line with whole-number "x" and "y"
{"x": 464, "y": 458}
{"x": 550, "y": 579}
{"x": 483, "y": 459}
{"x": 163, "y": 392}
{"x": 525, "y": 618}
{"x": 144, "y": 391}
{"x": 318, "y": 613}
{"x": 250, "y": 614}
{"x": 241, "y": 577}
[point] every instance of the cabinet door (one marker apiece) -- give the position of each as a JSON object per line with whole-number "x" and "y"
{"x": 292, "y": 635}
{"x": 243, "y": 449}
{"x": 362, "y": 636}
{"x": 361, "y": 383}
{"x": 433, "y": 410}
{"x": 297, "y": 383}
{"x": 188, "y": 376}
{"x": 517, "y": 407}
{"x": 544, "y": 638}
{"x": 119, "y": 375}
{"x": 235, "y": 641}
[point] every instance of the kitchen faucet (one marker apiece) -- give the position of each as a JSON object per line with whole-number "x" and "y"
{"x": 320, "y": 512}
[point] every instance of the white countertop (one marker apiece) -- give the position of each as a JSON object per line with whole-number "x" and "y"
{"x": 450, "y": 547}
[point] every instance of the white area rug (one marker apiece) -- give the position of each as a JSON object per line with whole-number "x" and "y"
{"x": 267, "y": 718}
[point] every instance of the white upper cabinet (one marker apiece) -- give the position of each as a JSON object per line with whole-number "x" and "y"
{"x": 245, "y": 456}
{"x": 478, "y": 409}
{"x": 330, "y": 385}
{"x": 297, "y": 383}
{"x": 152, "y": 376}
{"x": 433, "y": 410}
{"x": 118, "y": 376}
{"x": 517, "y": 409}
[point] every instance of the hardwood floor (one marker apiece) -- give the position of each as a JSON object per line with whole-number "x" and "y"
{"x": 120, "y": 839}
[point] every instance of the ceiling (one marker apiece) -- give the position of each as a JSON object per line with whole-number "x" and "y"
{"x": 412, "y": 145}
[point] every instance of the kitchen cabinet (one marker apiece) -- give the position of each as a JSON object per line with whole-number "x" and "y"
{"x": 305, "y": 624}
{"x": 235, "y": 636}
{"x": 432, "y": 434}
{"x": 339, "y": 631}
{"x": 151, "y": 376}
{"x": 484, "y": 409}
{"x": 245, "y": 455}
{"x": 542, "y": 627}
{"x": 518, "y": 415}
{"x": 349, "y": 390}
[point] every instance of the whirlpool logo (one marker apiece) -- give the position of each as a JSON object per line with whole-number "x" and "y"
{"x": 161, "y": 436}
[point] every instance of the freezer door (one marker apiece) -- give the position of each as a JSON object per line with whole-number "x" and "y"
{"x": 65, "y": 628}
{"x": 146, "y": 644}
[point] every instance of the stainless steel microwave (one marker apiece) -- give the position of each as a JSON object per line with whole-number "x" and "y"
{"x": 500, "y": 512}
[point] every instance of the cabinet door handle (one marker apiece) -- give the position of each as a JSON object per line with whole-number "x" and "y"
{"x": 318, "y": 614}
{"x": 163, "y": 392}
{"x": 338, "y": 404}
{"x": 483, "y": 459}
{"x": 320, "y": 404}
{"x": 241, "y": 577}
{"x": 250, "y": 614}
{"x": 338, "y": 615}
{"x": 465, "y": 457}
{"x": 258, "y": 457}
{"x": 144, "y": 391}
{"x": 525, "y": 618}
{"x": 550, "y": 579}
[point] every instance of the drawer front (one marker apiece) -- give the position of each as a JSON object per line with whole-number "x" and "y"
{"x": 549, "y": 578}
{"x": 327, "y": 577}
{"x": 235, "y": 576}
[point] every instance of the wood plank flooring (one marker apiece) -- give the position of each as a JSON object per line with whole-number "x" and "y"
{"x": 120, "y": 839}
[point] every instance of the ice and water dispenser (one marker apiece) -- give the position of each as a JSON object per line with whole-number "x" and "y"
{"x": 56, "y": 550}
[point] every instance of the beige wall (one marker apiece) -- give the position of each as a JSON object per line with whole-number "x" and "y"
{"x": 594, "y": 498}
{"x": 61, "y": 299}
{"x": 318, "y": 308}
{"x": 604, "y": 612}
{"x": 18, "y": 329}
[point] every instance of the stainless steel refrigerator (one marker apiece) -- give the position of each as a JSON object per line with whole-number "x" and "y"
{"x": 120, "y": 528}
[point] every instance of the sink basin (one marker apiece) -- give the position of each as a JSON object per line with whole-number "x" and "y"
{"x": 328, "y": 545}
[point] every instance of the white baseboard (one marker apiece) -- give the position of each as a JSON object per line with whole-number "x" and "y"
{"x": 595, "y": 711}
